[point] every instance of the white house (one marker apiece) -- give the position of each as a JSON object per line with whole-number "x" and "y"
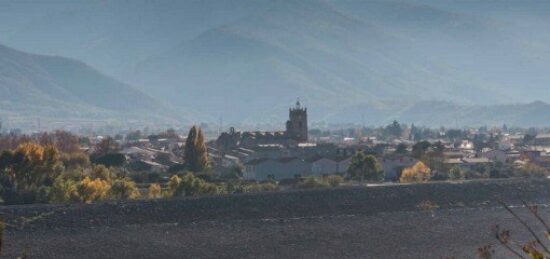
{"x": 285, "y": 168}
{"x": 323, "y": 166}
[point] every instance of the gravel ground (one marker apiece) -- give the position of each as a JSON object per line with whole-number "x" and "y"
{"x": 344, "y": 224}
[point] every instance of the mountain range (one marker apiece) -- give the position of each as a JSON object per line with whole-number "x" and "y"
{"x": 436, "y": 62}
{"x": 37, "y": 86}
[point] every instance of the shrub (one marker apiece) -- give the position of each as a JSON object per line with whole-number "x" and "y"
{"x": 313, "y": 182}
{"x": 103, "y": 173}
{"x": 63, "y": 190}
{"x": 417, "y": 173}
{"x": 260, "y": 187}
{"x": 89, "y": 190}
{"x": 174, "y": 186}
{"x": 124, "y": 189}
{"x": 154, "y": 192}
{"x": 456, "y": 173}
{"x": 190, "y": 185}
{"x": 531, "y": 170}
{"x": 334, "y": 180}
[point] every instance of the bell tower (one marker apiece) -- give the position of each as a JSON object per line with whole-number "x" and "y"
{"x": 296, "y": 126}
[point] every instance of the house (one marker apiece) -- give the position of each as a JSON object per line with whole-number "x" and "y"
{"x": 454, "y": 154}
{"x": 147, "y": 166}
{"x": 495, "y": 155}
{"x": 476, "y": 161}
{"x": 229, "y": 161}
{"x": 137, "y": 153}
{"x": 466, "y": 145}
{"x": 394, "y": 165}
{"x": 505, "y": 144}
{"x": 512, "y": 156}
{"x": 276, "y": 169}
{"x": 468, "y": 163}
{"x": 270, "y": 151}
{"x": 542, "y": 140}
{"x": 343, "y": 165}
{"x": 323, "y": 166}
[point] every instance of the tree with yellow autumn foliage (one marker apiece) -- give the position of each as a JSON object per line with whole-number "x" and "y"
{"x": 416, "y": 173}
{"x": 27, "y": 173}
{"x": 154, "y": 192}
{"x": 92, "y": 190}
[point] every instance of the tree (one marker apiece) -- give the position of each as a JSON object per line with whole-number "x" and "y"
{"x": 26, "y": 170}
{"x": 365, "y": 167}
{"x": 63, "y": 190}
{"x": 110, "y": 159}
{"x": 107, "y": 145}
{"x": 401, "y": 149}
{"x": 438, "y": 148}
{"x": 66, "y": 142}
{"x": 196, "y": 153}
{"x": 417, "y": 173}
{"x": 124, "y": 189}
{"x": 74, "y": 160}
{"x": 394, "y": 129}
{"x": 454, "y": 134}
{"x": 420, "y": 148}
{"x": 92, "y": 190}
{"x": 102, "y": 172}
{"x": 133, "y": 135}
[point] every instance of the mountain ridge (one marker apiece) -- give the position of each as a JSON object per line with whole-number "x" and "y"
{"x": 246, "y": 61}
{"x": 34, "y": 85}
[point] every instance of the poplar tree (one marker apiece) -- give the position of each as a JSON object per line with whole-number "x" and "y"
{"x": 196, "y": 153}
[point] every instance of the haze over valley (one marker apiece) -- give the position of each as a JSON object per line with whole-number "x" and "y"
{"x": 427, "y": 62}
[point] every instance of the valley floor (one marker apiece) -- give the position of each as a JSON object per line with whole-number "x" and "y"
{"x": 202, "y": 228}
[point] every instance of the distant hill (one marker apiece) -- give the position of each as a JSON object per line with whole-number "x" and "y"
{"x": 113, "y": 35}
{"x": 245, "y": 61}
{"x": 535, "y": 114}
{"x": 34, "y": 86}
{"x": 301, "y": 49}
{"x": 440, "y": 113}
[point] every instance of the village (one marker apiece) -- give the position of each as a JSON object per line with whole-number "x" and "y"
{"x": 290, "y": 156}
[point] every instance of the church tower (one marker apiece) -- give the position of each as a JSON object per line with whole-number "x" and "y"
{"x": 296, "y": 126}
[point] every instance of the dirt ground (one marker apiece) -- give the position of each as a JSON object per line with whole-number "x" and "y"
{"x": 251, "y": 226}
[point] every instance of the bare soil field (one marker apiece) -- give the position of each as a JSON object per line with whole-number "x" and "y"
{"x": 351, "y": 222}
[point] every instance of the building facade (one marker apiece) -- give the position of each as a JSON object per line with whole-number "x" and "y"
{"x": 296, "y": 132}
{"x": 296, "y": 126}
